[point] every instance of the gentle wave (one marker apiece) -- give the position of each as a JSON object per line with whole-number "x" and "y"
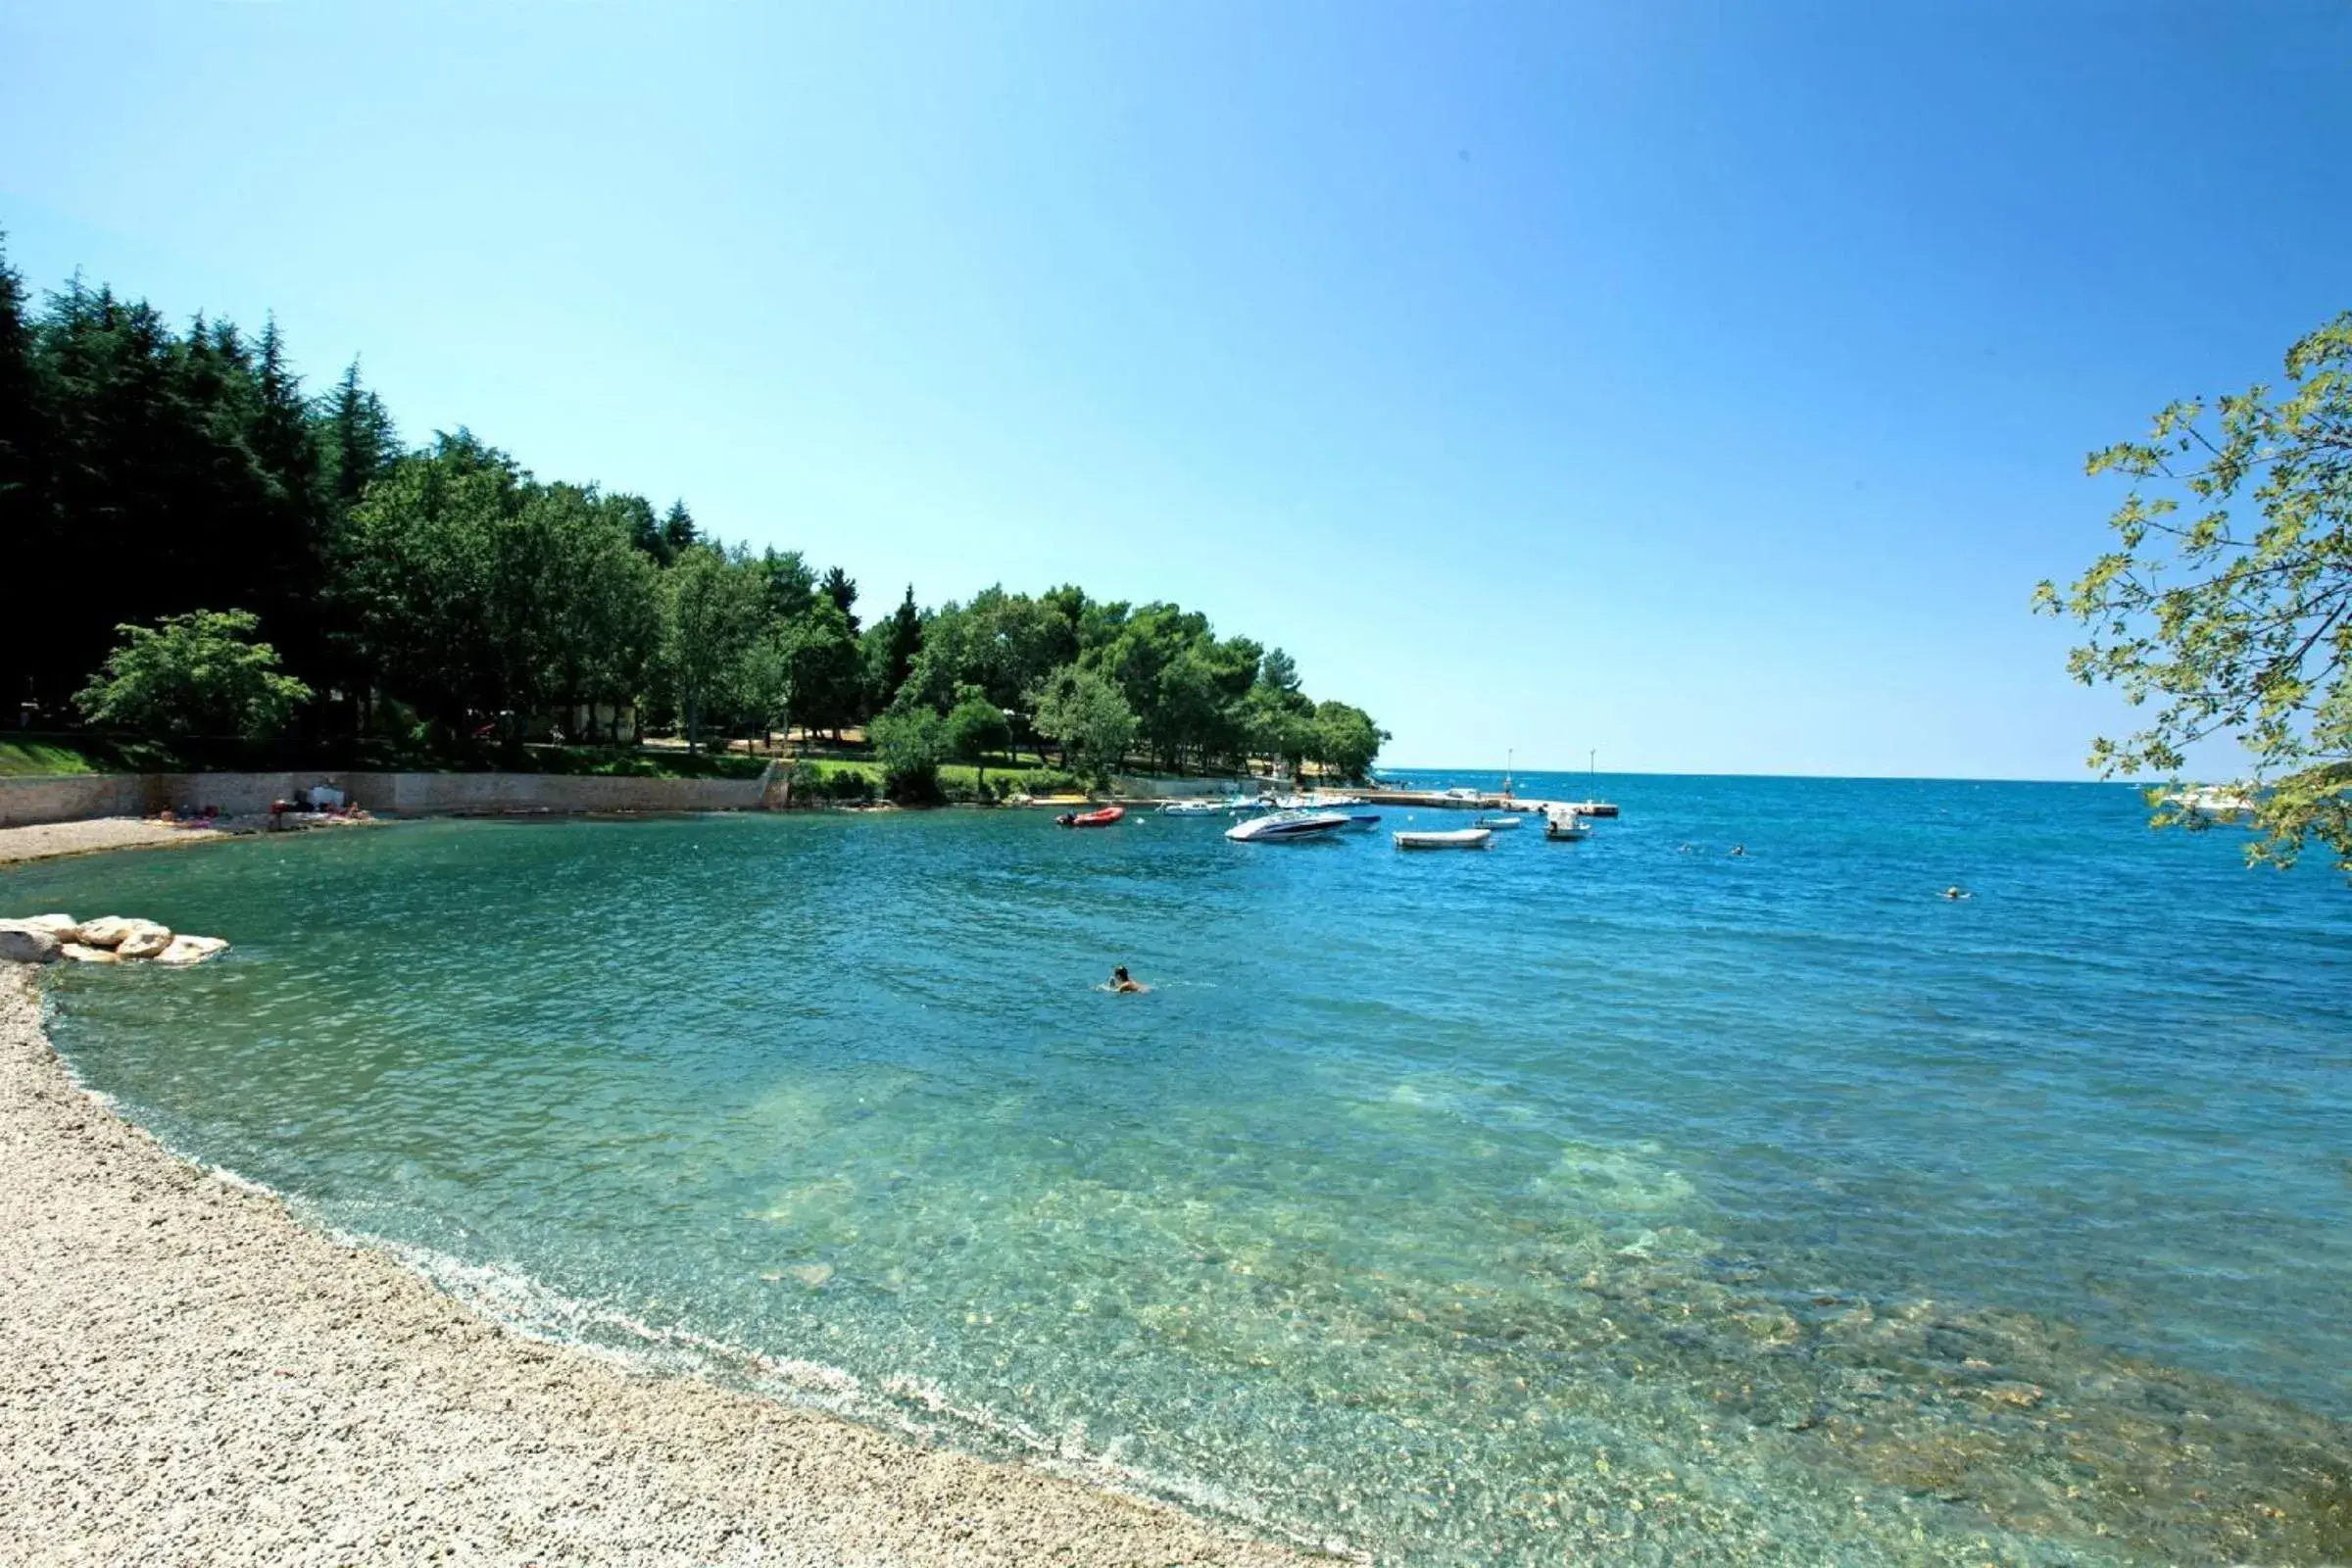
{"x": 511, "y": 1298}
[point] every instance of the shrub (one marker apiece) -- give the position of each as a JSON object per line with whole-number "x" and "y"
{"x": 201, "y": 673}
{"x": 974, "y": 728}
{"x": 849, "y": 785}
{"x": 908, "y": 744}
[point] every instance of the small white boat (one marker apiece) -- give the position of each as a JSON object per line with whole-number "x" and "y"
{"x": 1202, "y": 808}
{"x": 1467, "y": 796}
{"x": 1565, "y": 824}
{"x": 1499, "y": 824}
{"x": 2224, "y": 800}
{"x": 1459, "y": 838}
{"x": 1287, "y": 827}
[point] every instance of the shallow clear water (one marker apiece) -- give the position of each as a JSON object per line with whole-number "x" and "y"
{"x": 1562, "y": 1198}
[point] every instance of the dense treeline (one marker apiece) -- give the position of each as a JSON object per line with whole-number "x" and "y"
{"x": 442, "y": 596}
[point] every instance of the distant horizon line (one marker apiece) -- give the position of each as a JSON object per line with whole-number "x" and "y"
{"x": 2141, "y": 783}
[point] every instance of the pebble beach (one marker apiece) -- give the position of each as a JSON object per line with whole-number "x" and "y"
{"x": 192, "y": 1377}
{"x": 49, "y": 841}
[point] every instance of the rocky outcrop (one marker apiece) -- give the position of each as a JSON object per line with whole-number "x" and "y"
{"x": 144, "y": 944}
{"x": 46, "y": 938}
{"x": 113, "y": 930}
{"x": 26, "y": 943}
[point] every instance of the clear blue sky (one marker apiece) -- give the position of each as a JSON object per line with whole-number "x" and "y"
{"x": 1703, "y": 383}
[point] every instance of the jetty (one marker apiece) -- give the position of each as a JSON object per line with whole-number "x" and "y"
{"x": 1487, "y": 800}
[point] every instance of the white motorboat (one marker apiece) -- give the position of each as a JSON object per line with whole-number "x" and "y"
{"x": 1468, "y": 797}
{"x": 1286, "y": 827}
{"x": 1202, "y": 808}
{"x": 1499, "y": 824}
{"x": 1459, "y": 838}
{"x": 1364, "y": 821}
{"x": 1565, "y": 824}
{"x": 2224, "y": 801}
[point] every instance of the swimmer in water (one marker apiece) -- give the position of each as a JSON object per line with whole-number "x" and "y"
{"x": 1739, "y": 848}
{"x": 1125, "y": 984}
{"x": 1955, "y": 894}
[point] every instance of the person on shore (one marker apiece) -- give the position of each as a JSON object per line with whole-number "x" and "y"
{"x": 1125, "y": 984}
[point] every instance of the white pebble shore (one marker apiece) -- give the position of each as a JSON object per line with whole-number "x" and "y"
{"x": 189, "y": 1377}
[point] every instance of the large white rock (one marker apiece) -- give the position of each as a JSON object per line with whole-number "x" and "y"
{"x": 87, "y": 954}
{"x": 186, "y": 949}
{"x": 22, "y": 942}
{"x": 110, "y": 931}
{"x": 60, "y": 926}
{"x": 145, "y": 943}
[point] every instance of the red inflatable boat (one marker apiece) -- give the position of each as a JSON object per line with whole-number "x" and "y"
{"x": 1102, "y": 818}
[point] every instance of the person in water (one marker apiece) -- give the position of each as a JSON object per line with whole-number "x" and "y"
{"x": 1954, "y": 893}
{"x": 1125, "y": 984}
{"x": 1739, "y": 848}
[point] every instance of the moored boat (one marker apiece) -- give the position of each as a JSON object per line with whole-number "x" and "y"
{"x": 2227, "y": 801}
{"x": 1103, "y": 817}
{"x": 1200, "y": 808}
{"x": 1565, "y": 824}
{"x": 1502, "y": 823}
{"x": 1283, "y": 827}
{"x": 1459, "y": 838}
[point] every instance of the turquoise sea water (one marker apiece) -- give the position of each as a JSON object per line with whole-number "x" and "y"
{"x": 1561, "y": 1201}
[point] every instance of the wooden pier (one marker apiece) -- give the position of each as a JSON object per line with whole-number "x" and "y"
{"x": 1490, "y": 802}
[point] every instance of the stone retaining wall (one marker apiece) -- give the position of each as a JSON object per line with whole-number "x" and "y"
{"x": 461, "y": 794}
{"x": 232, "y": 794}
{"x": 72, "y": 798}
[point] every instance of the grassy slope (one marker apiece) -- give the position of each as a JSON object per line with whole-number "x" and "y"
{"x": 52, "y": 754}
{"x": 49, "y": 756}
{"x": 949, "y": 774}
